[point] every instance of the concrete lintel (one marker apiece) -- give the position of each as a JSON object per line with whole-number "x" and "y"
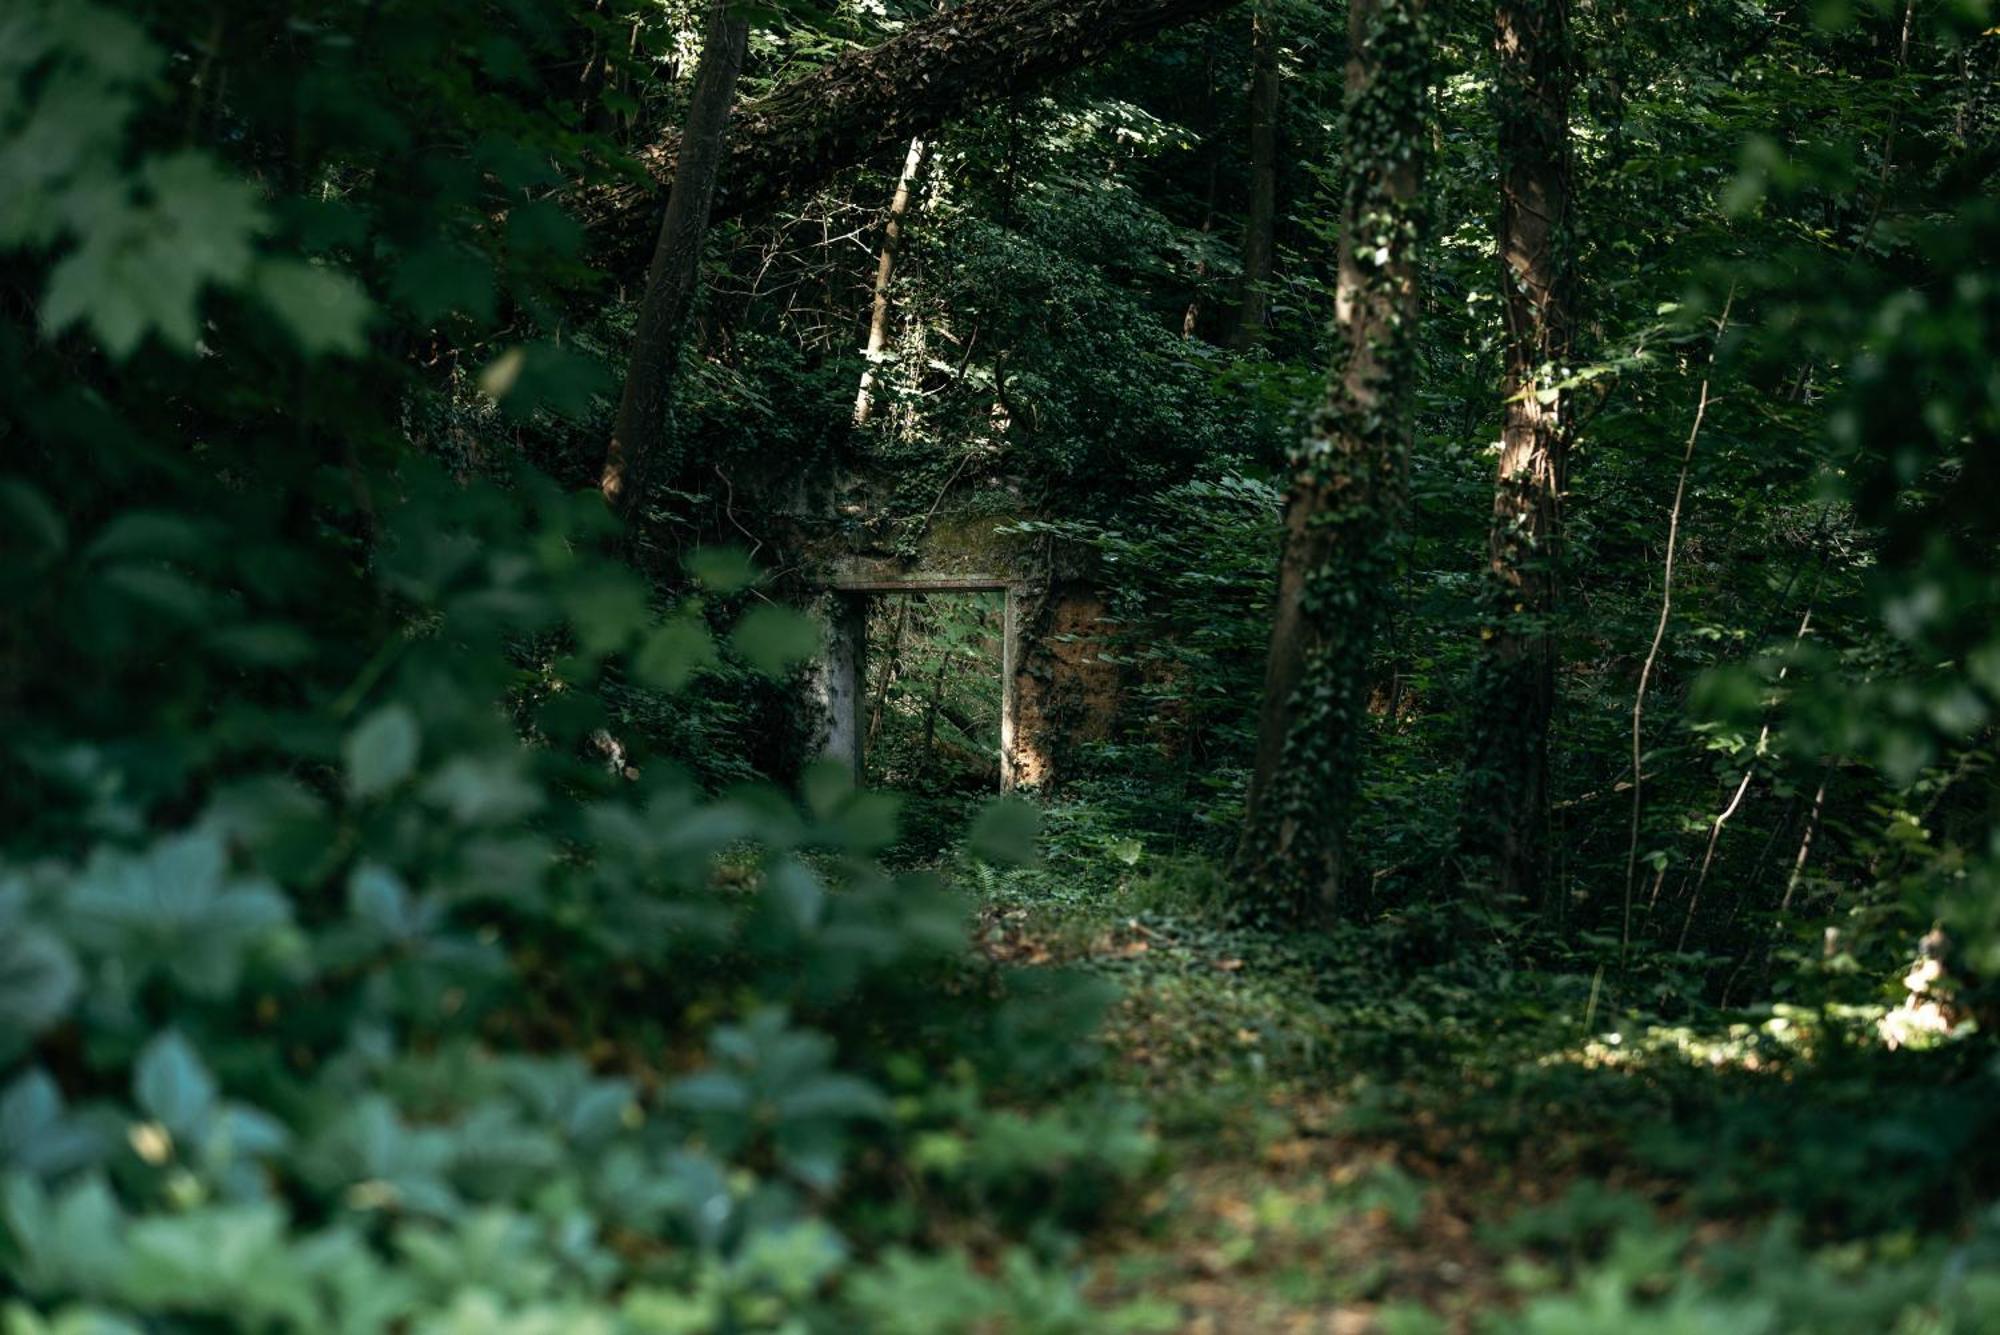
{"x": 919, "y": 583}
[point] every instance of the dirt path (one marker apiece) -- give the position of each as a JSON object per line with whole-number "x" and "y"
{"x": 1274, "y": 1212}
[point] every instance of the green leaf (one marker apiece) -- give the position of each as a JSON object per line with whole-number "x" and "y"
{"x": 378, "y": 897}
{"x": 1004, "y": 833}
{"x": 607, "y": 610}
{"x": 31, "y": 1106}
{"x": 210, "y": 214}
{"x": 144, "y": 535}
{"x": 173, "y": 1086}
{"x": 38, "y": 982}
{"x": 834, "y": 1095}
{"x": 674, "y": 652}
{"x": 141, "y": 269}
{"x": 68, "y": 1242}
{"x": 545, "y": 376}
{"x": 441, "y": 279}
{"x": 710, "y": 1092}
{"x": 721, "y": 570}
{"x": 172, "y": 911}
{"x": 382, "y": 751}
{"x": 826, "y": 784}
{"x": 38, "y": 1132}
{"x": 29, "y": 514}
{"x": 866, "y": 822}
{"x": 273, "y": 644}
{"x": 161, "y": 590}
{"x": 325, "y": 310}
{"x": 773, "y": 639}
{"x": 483, "y": 790}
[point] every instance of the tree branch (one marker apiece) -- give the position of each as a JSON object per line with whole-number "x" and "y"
{"x": 804, "y": 132}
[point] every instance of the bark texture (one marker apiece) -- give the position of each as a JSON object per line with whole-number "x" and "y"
{"x": 856, "y": 107}
{"x": 1505, "y": 812}
{"x": 1260, "y": 226}
{"x": 639, "y": 437}
{"x": 885, "y": 277}
{"x": 1344, "y": 506}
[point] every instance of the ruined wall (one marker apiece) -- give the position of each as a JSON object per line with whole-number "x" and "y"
{"x": 1065, "y": 692}
{"x": 1056, "y": 688}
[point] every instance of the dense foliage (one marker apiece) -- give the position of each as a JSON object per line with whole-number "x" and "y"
{"x": 418, "y": 906}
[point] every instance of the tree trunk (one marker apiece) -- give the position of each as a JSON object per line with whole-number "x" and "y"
{"x": 596, "y": 66}
{"x": 638, "y": 439}
{"x": 1210, "y": 149}
{"x": 1343, "y": 511}
{"x": 937, "y": 699}
{"x": 850, "y": 109}
{"x": 885, "y": 274}
{"x": 1260, "y": 228}
{"x": 1505, "y": 809}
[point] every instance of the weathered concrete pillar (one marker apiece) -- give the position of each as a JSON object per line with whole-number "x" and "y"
{"x": 1011, "y": 758}
{"x": 836, "y": 684}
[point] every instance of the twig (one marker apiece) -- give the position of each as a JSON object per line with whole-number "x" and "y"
{"x": 1660, "y": 630}
{"x": 1735, "y": 800}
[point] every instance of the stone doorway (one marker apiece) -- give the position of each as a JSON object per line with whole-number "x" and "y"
{"x": 841, "y": 684}
{"x": 1058, "y": 687}
{"x": 932, "y": 686}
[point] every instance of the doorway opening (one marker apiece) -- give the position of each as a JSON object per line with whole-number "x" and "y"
{"x": 934, "y": 692}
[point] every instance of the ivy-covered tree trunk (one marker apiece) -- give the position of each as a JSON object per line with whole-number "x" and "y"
{"x": 1344, "y": 507}
{"x": 638, "y": 439}
{"x": 1505, "y": 806}
{"x": 859, "y": 105}
{"x": 1260, "y": 225}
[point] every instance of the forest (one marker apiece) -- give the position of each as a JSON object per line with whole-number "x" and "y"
{"x": 999, "y": 666}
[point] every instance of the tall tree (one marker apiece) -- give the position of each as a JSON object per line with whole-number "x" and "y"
{"x": 1260, "y": 226}
{"x": 1504, "y": 814}
{"x": 638, "y": 439}
{"x": 885, "y": 276}
{"x": 1344, "y": 506}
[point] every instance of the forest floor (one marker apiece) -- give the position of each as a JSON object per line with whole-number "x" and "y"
{"x": 1274, "y": 1214}
{"x": 1355, "y": 1137}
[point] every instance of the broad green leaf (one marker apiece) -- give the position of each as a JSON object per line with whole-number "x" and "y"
{"x": 826, "y": 784}
{"x": 325, "y": 310}
{"x": 38, "y": 982}
{"x": 710, "y": 1092}
{"x": 866, "y": 822}
{"x": 1004, "y": 833}
{"x": 22, "y": 1320}
{"x": 775, "y": 639}
{"x": 721, "y": 570}
{"x": 172, "y": 1085}
{"x": 28, "y": 514}
{"x": 146, "y": 534}
{"x": 607, "y": 610}
{"x": 488, "y": 790}
{"x": 674, "y": 652}
{"x": 378, "y": 897}
{"x": 440, "y": 279}
{"x": 142, "y": 268}
{"x": 209, "y": 214}
{"x": 545, "y": 377}
{"x": 382, "y": 751}
{"x": 174, "y": 911}
{"x": 161, "y": 590}
{"x": 40, "y": 1134}
{"x": 832, "y": 1095}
